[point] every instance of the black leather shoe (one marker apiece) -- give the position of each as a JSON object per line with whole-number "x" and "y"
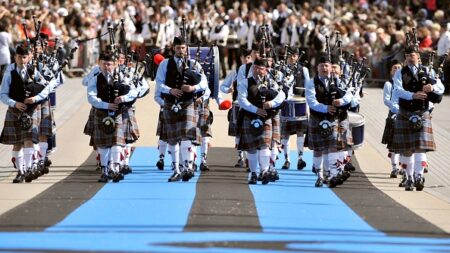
{"x": 314, "y": 169}
{"x": 319, "y": 182}
{"x": 419, "y": 183}
{"x": 253, "y": 178}
{"x": 187, "y": 175}
{"x": 194, "y": 167}
{"x": 160, "y": 164}
{"x": 204, "y": 167}
{"x": 425, "y": 170}
{"x": 19, "y": 178}
{"x": 29, "y": 176}
{"x": 48, "y": 162}
{"x": 260, "y": 176}
{"x": 175, "y": 177}
{"x": 265, "y": 178}
{"x": 394, "y": 173}
{"x": 117, "y": 176}
{"x": 333, "y": 182}
{"x": 103, "y": 179}
{"x": 286, "y": 165}
{"x": 349, "y": 167}
{"x": 409, "y": 185}
{"x": 301, "y": 164}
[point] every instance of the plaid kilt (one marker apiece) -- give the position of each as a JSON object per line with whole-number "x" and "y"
{"x": 12, "y": 132}
{"x": 337, "y": 140}
{"x": 276, "y": 128}
{"x": 89, "y": 127}
{"x": 388, "y": 132}
{"x": 291, "y": 127}
{"x": 406, "y": 139}
{"x": 160, "y": 123}
{"x": 203, "y": 122}
{"x": 130, "y": 125}
{"x": 179, "y": 126}
{"x": 249, "y": 141}
{"x": 46, "y": 126}
{"x": 102, "y": 139}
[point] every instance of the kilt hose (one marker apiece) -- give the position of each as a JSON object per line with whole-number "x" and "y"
{"x": 179, "y": 126}
{"x": 12, "y": 133}
{"x": 248, "y": 140}
{"x": 407, "y": 139}
{"x": 103, "y": 139}
{"x": 46, "y": 126}
{"x": 337, "y": 140}
{"x": 130, "y": 125}
{"x": 276, "y": 128}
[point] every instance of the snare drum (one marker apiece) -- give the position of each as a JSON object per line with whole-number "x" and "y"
{"x": 209, "y": 60}
{"x": 294, "y": 109}
{"x": 357, "y": 122}
{"x": 235, "y": 112}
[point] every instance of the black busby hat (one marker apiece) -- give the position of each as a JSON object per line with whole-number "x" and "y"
{"x": 323, "y": 58}
{"x": 179, "y": 41}
{"x": 294, "y": 50}
{"x": 107, "y": 56}
{"x": 22, "y": 50}
{"x": 191, "y": 77}
{"x": 411, "y": 49}
{"x": 245, "y": 52}
{"x": 260, "y": 62}
{"x": 334, "y": 59}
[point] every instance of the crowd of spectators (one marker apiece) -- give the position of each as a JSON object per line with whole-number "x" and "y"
{"x": 374, "y": 29}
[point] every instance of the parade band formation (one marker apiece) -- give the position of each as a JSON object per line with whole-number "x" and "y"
{"x": 273, "y": 96}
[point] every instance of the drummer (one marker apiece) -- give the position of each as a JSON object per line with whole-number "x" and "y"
{"x": 298, "y": 127}
{"x": 229, "y": 85}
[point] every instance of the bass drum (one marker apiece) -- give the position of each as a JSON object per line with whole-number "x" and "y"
{"x": 209, "y": 60}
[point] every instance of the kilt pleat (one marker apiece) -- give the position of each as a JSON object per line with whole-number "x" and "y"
{"x": 249, "y": 141}
{"x": 130, "y": 126}
{"x": 292, "y": 127}
{"x": 89, "y": 127}
{"x": 181, "y": 125}
{"x": 407, "y": 139}
{"x": 12, "y": 133}
{"x": 337, "y": 140}
{"x": 103, "y": 139}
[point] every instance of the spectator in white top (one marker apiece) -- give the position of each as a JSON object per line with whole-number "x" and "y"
{"x": 444, "y": 41}
{"x": 5, "y": 44}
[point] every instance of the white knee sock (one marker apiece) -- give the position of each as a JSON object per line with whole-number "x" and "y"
{"x": 174, "y": 151}
{"x": 326, "y": 165}
{"x": 43, "y": 146}
{"x": 18, "y": 160}
{"x": 273, "y": 154}
{"x": 105, "y": 154}
{"x": 127, "y": 154}
{"x": 317, "y": 163}
{"x": 285, "y": 143}
{"x": 253, "y": 161}
{"x": 28, "y": 157}
{"x": 300, "y": 143}
{"x": 409, "y": 164}
{"x": 204, "y": 149}
{"x": 162, "y": 148}
{"x": 186, "y": 154}
{"x": 333, "y": 161}
{"x": 420, "y": 160}
{"x": 264, "y": 159}
{"x": 394, "y": 160}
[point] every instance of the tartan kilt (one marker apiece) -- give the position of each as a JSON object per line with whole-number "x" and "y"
{"x": 388, "y": 132}
{"x": 46, "y": 126}
{"x": 160, "y": 123}
{"x": 276, "y": 128}
{"x": 406, "y": 139}
{"x": 337, "y": 140}
{"x": 13, "y": 134}
{"x": 291, "y": 127}
{"x": 130, "y": 125}
{"x": 182, "y": 125}
{"x": 102, "y": 139}
{"x": 203, "y": 122}
{"x": 89, "y": 127}
{"x": 249, "y": 141}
